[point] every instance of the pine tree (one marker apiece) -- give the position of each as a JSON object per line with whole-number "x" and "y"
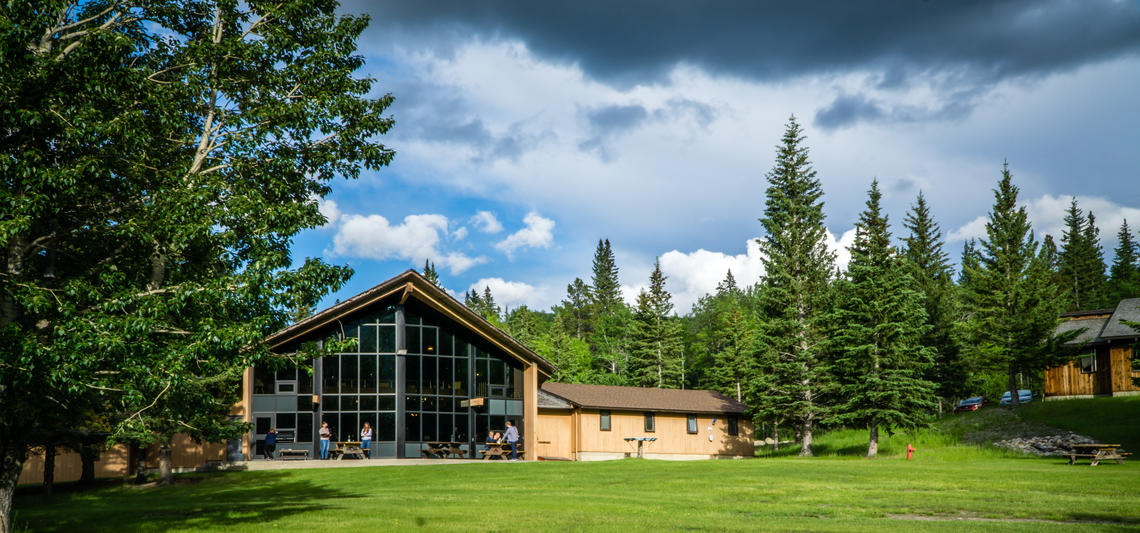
{"x": 929, "y": 265}
{"x": 796, "y": 291}
{"x": 657, "y": 351}
{"x": 879, "y": 322}
{"x": 1081, "y": 260}
{"x": 430, "y": 274}
{"x": 610, "y": 316}
{"x": 728, "y": 285}
{"x": 1011, "y": 303}
{"x": 733, "y": 366}
{"x": 574, "y": 312}
{"x": 1125, "y": 280}
{"x": 491, "y": 310}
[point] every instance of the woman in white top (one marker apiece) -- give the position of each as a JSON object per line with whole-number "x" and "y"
{"x": 366, "y": 439}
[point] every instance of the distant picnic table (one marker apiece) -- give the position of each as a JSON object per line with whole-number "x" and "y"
{"x": 1096, "y": 452}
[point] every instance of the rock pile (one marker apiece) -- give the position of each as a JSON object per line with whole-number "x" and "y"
{"x": 1044, "y": 445}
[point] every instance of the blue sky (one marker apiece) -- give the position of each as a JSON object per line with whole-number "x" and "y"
{"x": 525, "y": 132}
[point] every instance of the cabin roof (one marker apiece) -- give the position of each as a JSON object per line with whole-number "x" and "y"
{"x": 645, "y": 399}
{"x": 1102, "y": 325}
{"x": 411, "y": 284}
{"x": 1126, "y": 310}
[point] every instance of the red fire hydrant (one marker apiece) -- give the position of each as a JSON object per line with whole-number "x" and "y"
{"x": 909, "y": 451}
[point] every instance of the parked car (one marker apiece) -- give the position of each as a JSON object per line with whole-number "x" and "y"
{"x": 1023, "y": 396}
{"x": 970, "y": 404}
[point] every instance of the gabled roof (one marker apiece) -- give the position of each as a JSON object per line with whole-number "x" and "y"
{"x": 411, "y": 284}
{"x": 645, "y": 399}
{"x": 1126, "y": 310}
{"x": 1102, "y": 325}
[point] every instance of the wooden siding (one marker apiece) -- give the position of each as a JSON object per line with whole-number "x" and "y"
{"x": 671, "y": 432}
{"x": 1113, "y": 374}
{"x": 115, "y": 462}
{"x": 1122, "y": 374}
{"x": 68, "y": 466}
{"x": 555, "y": 434}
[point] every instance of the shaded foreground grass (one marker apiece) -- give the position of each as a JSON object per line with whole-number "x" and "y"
{"x": 985, "y": 493}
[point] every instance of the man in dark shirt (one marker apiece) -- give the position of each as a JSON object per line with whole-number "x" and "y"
{"x": 270, "y": 443}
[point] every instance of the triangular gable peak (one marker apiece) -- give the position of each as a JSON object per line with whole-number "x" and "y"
{"x": 410, "y": 285}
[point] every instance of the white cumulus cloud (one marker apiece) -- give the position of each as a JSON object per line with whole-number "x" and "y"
{"x": 1047, "y": 214}
{"x": 513, "y": 294}
{"x": 538, "y": 233}
{"x": 486, "y": 222}
{"x": 417, "y": 238}
{"x": 330, "y": 210}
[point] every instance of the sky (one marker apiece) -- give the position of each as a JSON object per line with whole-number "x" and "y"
{"x": 527, "y": 131}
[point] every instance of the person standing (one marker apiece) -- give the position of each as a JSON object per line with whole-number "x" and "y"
{"x": 366, "y": 440}
{"x": 512, "y": 437}
{"x": 270, "y": 444}
{"x": 325, "y": 434}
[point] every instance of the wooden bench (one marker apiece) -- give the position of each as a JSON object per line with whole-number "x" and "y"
{"x": 291, "y": 454}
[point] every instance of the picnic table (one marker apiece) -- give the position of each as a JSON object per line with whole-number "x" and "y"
{"x": 442, "y": 450}
{"x": 1096, "y": 452}
{"x": 500, "y": 450}
{"x": 640, "y": 441}
{"x": 348, "y": 448}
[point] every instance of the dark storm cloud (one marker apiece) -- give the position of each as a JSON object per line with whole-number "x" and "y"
{"x": 617, "y": 118}
{"x": 905, "y": 41}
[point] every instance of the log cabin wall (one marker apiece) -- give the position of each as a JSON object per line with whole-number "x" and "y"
{"x": 1122, "y": 373}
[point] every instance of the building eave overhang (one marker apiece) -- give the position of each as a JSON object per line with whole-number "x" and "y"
{"x": 411, "y": 284}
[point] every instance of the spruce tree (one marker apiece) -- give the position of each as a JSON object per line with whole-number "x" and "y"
{"x": 1011, "y": 303}
{"x": 1125, "y": 272}
{"x": 879, "y": 322}
{"x": 1081, "y": 261}
{"x": 657, "y": 348}
{"x": 574, "y": 312}
{"x": 490, "y": 310}
{"x": 728, "y": 285}
{"x": 929, "y": 266}
{"x": 799, "y": 268}
{"x": 611, "y": 319}
{"x": 430, "y": 273}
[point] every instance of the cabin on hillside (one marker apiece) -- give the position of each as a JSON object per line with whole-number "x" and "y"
{"x": 1105, "y": 365}
{"x": 599, "y": 422}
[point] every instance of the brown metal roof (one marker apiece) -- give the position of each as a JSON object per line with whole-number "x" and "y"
{"x": 411, "y": 284}
{"x": 645, "y": 399}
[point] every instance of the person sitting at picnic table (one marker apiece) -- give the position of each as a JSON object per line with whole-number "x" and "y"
{"x": 366, "y": 440}
{"x": 513, "y": 439}
{"x": 325, "y": 434}
{"x": 270, "y": 444}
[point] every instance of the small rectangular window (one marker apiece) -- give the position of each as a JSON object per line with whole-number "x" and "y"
{"x": 1088, "y": 364}
{"x": 284, "y": 387}
{"x": 605, "y": 425}
{"x": 692, "y": 424}
{"x": 733, "y": 426}
{"x": 650, "y": 425}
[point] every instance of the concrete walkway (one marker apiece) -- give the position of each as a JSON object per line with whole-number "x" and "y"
{"x": 278, "y": 464}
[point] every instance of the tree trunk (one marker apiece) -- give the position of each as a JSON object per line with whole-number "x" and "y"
{"x": 11, "y": 464}
{"x": 805, "y": 432}
{"x": 89, "y": 454}
{"x": 776, "y": 435}
{"x": 873, "y": 443}
{"x": 1014, "y": 397}
{"x": 165, "y": 470}
{"x": 49, "y": 469}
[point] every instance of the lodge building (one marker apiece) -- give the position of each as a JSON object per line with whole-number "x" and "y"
{"x": 424, "y": 368}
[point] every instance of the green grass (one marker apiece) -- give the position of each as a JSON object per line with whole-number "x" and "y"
{"x": 957, "y": 482}
{"x": 823, "y": 494}
{"x": 1115, "y": 420}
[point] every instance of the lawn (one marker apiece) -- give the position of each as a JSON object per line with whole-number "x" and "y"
{"x": 957, "y": 482}
{"x": 981, "y": 493}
